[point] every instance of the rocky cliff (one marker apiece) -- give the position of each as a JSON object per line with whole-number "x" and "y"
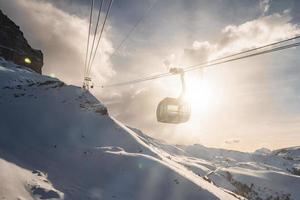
{"x": 14, "y": 47}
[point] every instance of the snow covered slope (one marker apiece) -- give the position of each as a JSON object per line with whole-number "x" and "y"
{"x": 57, "y": 142}
{"x": 262, "y": 175}
{"x": 19, "y": 183}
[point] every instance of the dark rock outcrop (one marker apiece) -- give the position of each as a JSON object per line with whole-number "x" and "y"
{"x": 14, "y": 47}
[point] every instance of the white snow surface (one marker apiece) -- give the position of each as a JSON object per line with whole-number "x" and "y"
{"x": 56, "y": 144}
{"x": 265, "y": 175}
{"x": 19, "y": 183}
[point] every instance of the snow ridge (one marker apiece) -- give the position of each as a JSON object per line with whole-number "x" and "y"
{"x": 64, "y": 145}
{"x": 58, "y": 142}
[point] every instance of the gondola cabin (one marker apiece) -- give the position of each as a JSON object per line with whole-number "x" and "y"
{"x": 173, "y": 110}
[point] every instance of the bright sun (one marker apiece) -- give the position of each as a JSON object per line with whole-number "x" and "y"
{"x": 202, "y": 95}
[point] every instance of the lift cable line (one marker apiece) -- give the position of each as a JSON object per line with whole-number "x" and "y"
{"x": 88, "y": 40}
{"x": 214, "y": 62}
{"x": 251, "y": 50}
{"x": 96, "y": 31}
{"x": 99, "y": 39}
{"x": 133, "y": 28}
{"x": 89, "y": 65}
{"x": 196, "y": 67}
{"x": 204, "y": 63}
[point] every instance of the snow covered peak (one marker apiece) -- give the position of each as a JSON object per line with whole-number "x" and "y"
{"x": 58, "y": 142}
{"x": 66, "y": 135}
{"x": 291, "y": 153}
{"x": 262, "y": 151}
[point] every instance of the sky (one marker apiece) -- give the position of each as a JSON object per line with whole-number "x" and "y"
{"x": 243, "y": 105}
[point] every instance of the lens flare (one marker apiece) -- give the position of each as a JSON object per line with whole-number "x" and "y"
{"x": 202, "y": 95}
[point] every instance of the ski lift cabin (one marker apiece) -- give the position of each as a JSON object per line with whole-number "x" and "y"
{"x": 173, "y": 110}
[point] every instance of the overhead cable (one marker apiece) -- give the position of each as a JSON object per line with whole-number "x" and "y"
{"x": 88, "y": 40}
{"x": 133, "y": 28}
{"x": 99, "y": 39}
{"x": 96, "y": 30}
{"x": 214, "y": 62}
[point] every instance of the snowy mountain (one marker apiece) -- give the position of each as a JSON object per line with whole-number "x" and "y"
{"x": 262, "y": 151}
{"x": 263, "y": 175}
{"x": 58, "y": 142}
{"x": 255, "y": 176}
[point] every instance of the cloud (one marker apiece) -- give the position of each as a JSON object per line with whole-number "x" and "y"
{"x": 199, "y": 51}
{"x": 169, "y": 62}
{"x": 251, "y": 34}
{"x": 264, "y": 5}
{"x": 62, "y": 38}
{"x": 255, "y": 97}
{"x": 232, "y": 141}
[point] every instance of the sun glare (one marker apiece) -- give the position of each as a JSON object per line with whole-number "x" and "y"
{"x": 202, "y": 95}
